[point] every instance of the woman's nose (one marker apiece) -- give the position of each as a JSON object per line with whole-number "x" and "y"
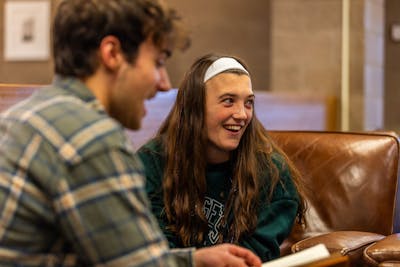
{"x": 240, "y": 112}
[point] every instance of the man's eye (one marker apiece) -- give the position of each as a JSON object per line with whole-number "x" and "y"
{"x": 160, "y": 63}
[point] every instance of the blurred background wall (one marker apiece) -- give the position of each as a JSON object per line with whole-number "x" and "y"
{"x": 293, "y": 46}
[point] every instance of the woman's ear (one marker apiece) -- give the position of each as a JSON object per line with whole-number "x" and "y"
{"x": 111, "y": 53}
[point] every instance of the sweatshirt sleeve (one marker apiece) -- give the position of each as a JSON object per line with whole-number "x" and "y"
{"x": 275, "y": 218}
{"x": 153, "y": 163}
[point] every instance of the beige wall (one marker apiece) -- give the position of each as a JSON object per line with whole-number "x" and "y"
{"x": 392, "y": 68}
{"x": 306, "y": 54}
{"x": 373, "y": 71}
{"x": 36, "y": 72}
{"x": 366, "y": 65}
{"x": 290, "y": 45}
{"x": 222, "y": 26}
{"x": 306, "y": 46}
{"x": 229, "y": 27}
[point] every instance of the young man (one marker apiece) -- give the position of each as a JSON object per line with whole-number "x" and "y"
{"x": 71, "y": 189}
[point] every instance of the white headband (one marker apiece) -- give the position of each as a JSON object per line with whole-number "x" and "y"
{"x": 223, "y": 64}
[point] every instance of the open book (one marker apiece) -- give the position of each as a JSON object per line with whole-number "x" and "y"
{"x": 306, "y": 256}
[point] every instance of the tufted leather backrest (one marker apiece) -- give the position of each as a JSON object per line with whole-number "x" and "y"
{"x": 351, "y": 180}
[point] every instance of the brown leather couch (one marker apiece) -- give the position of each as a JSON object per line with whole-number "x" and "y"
{"x": 352, "y": 191}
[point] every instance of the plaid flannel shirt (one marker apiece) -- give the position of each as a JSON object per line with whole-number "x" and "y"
{"x": 71, "y": 189}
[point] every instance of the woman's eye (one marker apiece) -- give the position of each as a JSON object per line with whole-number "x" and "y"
{"x": 228, "y": 100}
{"x": 250, "y": 103}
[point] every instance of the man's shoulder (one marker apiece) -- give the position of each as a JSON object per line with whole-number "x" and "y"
{"x": 55, "y": 110}
{"x": 47, "y": 102}
{"x": 73, "y": 127}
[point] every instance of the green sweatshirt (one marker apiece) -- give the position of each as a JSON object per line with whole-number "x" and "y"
{"x": 275, "y": 218}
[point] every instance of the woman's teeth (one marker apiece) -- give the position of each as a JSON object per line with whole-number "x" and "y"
{"x": 233, "y": 127}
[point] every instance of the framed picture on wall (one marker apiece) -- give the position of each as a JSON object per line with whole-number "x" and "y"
{"x": 26, "y": 30}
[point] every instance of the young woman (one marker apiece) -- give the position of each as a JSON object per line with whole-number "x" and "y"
{"x": 213, "y": 173}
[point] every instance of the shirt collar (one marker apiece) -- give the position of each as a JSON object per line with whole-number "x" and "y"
{"x": 77, "y": 88}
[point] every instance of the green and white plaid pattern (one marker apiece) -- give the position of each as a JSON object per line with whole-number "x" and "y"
{"x": 71, "y": 189}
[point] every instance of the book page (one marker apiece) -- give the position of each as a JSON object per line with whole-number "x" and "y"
{"x": 305, "y": 256}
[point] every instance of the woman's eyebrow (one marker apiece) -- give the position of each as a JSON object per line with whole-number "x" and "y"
{"x": 227, "y": 94}
{"x": 235, "y": 95}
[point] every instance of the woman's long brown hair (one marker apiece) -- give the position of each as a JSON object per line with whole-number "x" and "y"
{"x": 184, "y": 138}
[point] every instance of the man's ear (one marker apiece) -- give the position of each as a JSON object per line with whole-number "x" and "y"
{"x": 111, "y": 53}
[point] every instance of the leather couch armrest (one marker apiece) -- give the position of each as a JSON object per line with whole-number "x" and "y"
{"x": 389, "y": 264}
{"x": 385, "y": 252}
{"x": 350, "y": 243}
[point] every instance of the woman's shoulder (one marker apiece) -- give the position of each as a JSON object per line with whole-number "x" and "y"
{"x": 152, "y": 146}
{"x": 279, "y": 160}
{"x": 281, "y": 166}
{"x": 152, "y": 159}
{"x": 150, "y": 151}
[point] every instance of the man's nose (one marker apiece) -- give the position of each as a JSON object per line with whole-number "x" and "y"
{"x": 164, "y": 83}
